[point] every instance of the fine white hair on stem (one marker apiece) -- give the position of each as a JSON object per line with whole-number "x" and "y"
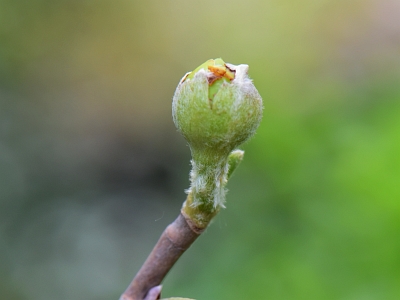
{"x": 208, "y": 183}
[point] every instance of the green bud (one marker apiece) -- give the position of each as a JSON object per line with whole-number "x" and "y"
{"x": 216, "y": 108}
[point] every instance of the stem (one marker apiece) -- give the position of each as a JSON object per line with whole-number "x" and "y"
{"x": 200, "y": 216}
{"x": 174, "y": 241}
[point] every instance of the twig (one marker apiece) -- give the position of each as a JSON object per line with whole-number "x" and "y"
{"x": 174, "y": 241}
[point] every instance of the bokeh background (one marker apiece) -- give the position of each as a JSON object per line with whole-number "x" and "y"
{"x": 92, "y": 168}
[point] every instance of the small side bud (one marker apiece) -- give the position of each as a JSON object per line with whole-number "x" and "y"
{"x": 234, "y": 159}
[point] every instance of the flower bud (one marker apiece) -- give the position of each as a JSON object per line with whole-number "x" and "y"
{"x": 216, "y": 108}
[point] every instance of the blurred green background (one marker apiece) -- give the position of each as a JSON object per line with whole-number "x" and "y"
{"x": 92, "y": 168}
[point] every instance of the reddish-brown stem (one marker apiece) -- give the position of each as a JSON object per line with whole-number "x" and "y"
{"x": 175, "y": 240}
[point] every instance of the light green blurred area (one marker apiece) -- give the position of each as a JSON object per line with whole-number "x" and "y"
{"x": 92, "y": 168}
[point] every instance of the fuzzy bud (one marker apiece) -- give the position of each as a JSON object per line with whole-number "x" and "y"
{"x": 216, "y": 108}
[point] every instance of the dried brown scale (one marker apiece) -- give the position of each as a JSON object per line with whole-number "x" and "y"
{"x": 230, "y": 68}
{"x": 211, "y": 78}
{"x": 174, "y": 241}
{"x": 217, "y": 70}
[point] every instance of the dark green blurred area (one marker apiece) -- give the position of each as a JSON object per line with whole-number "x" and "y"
{"x": 92, "y": 168}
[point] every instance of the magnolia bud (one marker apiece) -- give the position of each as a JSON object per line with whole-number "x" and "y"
{"x": 216, "y": 108}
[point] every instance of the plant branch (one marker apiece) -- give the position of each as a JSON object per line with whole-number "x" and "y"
{"x": 174, "y": 241}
